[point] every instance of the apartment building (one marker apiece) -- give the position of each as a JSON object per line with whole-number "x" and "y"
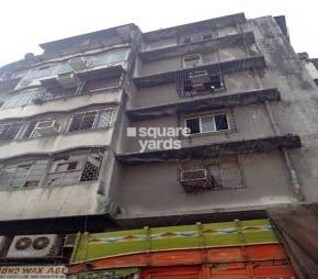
{"x": 68, "y": 163}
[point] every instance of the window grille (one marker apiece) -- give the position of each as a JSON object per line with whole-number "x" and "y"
{"x": 26, "y": 174}
{"x": 219, "y": 176}
{"x": 208, "y": 123}
{"x": 74, "y": 169}
{"x": 199, "y": 80}
{"x": 90, "y": 120}
{"x": 99, "y": 84}
{"x": 10, "y": 131}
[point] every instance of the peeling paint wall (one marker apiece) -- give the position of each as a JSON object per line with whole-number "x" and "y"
{"x": 154, "y": 190}
{"x": 246, "y": 122}
{"x": 166, "y": 93}
{"x": 297, "y": 112}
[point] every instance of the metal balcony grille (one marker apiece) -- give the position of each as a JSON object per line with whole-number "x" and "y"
{"x": 199, "y": 80}
{"x": 100, "y": 84}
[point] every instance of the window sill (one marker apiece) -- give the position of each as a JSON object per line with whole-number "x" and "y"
{"x": 210, "y": 133}
{"x": 79, "y": 183}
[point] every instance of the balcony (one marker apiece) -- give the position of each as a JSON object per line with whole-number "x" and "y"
{"x": 266, "y": 144}
{"x": 209, "y": 102}
{"x": 238, "y": 64}
{"x": 174, "y": 48}
{"x": 167, "y": 40}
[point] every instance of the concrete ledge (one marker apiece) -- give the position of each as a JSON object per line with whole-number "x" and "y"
{"x": 267, "y": 144}
{"x": 236, "y": 65}
{"x": 212, "y": 101}
{"x": 152, "y": 54}
{"x": 190, "y": 218}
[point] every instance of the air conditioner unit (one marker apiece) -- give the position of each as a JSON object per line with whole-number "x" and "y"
{"x": 198, "y": 77}
{"x": 193, "y": 39}
{"x": 79, "y": 63}
{"x": 190, "y": 61}
{"x": 46, "y": 128}
{"x": 33, "y": 246}
{"x": 69, "y": 240}
{"x": 196, "y": 174}
{"x": 68, "y": 80}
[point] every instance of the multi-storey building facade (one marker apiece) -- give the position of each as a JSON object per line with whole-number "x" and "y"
{"x": 247, "y": 100}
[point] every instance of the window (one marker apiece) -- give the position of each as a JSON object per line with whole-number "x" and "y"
{"x": 10, "y": 131}
{"x": 208, "y": 124}
{"x": 190, "y": 61}
{"x": 195, "y": 38}
{"x": 99, "y": 84}
{"x": 202, "y": 81}
{"x": 43, "y": 71}
{"x": 23, "y": 175}
{"x": 215, "y": 176}
{"x": 198, "y": 81}
{"x": 21, "y": 98}
{"x": 28, "y": 130}
{"x": 43, "y": 127}
{"x": 90, "y": 120}
{"x": 110, "y": 57}
{"x": 74, "y": 169}
{"x": 65, "y": 170}
{"x": 227, "y": 175}
{"x": 59, "y": 92}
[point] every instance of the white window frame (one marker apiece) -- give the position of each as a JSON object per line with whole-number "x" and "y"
{"x": 209, "y": 115}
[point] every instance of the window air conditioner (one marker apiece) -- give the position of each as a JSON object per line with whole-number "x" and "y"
{"x": 196, "y": 174}
{"x": 199, "y": 77}
{"x": 68, "y": 80}
{"x": 79, "y": 63}
{"x": 33, "y": 246}
{"x": 46, "y": 128}
{"x": 193, "y": 39}
{"x": 192, "y": 61}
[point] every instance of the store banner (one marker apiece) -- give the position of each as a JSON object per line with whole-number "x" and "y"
{"x": 33, "y": 272}
{"x": 110, "y": 274}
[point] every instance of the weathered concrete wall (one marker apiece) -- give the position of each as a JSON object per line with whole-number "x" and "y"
{"x": 298, "y": 111}
{"x": 153, "y": 189}
{"x": 248, "y": 122}
{"x": 166, "y": 93}
{"x": 57, "y": 143}
{"x": 46, "y": 202}
{"x": 61, "y": 105}
{"x": 310, "y": 67}
{"x": 175, "y": 63}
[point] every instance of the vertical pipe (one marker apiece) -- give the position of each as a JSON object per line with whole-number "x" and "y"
{"x": 292, "y": 173}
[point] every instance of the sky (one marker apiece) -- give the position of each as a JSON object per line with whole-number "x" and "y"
{"x": 28, "y": 23}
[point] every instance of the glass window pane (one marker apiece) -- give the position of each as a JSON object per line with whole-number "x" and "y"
{"x": 207, "y": 124}
{"x": 105, "y": 118}
{"x": 221, "y": 122}
{"x": 193, "y": 125}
